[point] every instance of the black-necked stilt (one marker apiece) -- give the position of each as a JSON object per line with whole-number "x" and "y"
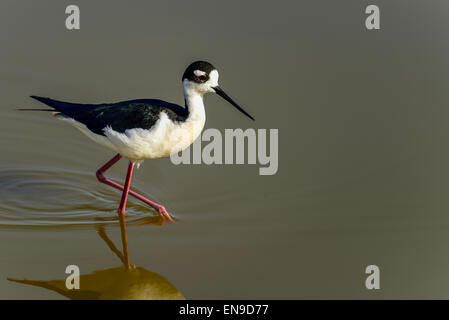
{"x": 145, "y": 128}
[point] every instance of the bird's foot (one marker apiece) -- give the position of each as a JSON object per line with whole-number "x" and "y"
{"x": 164, "y": 213}
{"x": 160, "y": 209}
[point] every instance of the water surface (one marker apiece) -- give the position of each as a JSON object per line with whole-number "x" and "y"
{"x": 363, "y": 147}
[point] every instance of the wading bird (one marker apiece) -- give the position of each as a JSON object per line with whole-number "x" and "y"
{"x": 144, "y": 128}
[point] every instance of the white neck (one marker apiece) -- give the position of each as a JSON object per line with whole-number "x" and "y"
{"x": 194, "y": 103}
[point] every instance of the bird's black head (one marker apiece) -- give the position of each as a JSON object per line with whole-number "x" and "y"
{"x": 198, "y": 71}
{"x": 200, "y": 78}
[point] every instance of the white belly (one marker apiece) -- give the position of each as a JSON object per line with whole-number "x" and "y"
{"x": 164, "y": 138}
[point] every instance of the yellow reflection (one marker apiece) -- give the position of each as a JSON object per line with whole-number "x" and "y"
{"x": 121, "y": 283}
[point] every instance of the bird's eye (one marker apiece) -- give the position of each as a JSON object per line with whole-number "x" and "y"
{"x": 203, "y": 77}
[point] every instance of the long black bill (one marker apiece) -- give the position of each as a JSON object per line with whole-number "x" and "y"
{"x": 222, "y": 94}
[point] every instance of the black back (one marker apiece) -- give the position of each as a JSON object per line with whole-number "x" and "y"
{"x": 120, "y": 116}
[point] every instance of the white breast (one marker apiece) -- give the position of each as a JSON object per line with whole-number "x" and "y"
{"x": 164, "y": 138}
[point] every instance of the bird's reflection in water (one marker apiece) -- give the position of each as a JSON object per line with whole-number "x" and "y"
{"x": 121, "y": 283}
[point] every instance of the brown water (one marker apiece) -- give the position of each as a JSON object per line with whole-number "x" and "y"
{"x": 363, "y": 148}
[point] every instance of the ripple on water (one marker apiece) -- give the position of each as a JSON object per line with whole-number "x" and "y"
{"x": 36, "y": 197}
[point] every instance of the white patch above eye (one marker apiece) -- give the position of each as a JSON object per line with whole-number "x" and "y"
{"x": 213, "y": 78}
{"x": 199, "y": 73}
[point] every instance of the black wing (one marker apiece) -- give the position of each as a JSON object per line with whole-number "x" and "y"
{"x": 120, "y": 116}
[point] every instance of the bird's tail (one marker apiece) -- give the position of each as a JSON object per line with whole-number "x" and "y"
{"x": 36, "y": 110}
{"x": 47, "y": 101}
{"x": 67, "y": 108}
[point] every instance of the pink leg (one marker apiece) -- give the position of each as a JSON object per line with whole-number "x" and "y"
{"x": 103, "y": 179}
{"x": 129, "y": 174}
